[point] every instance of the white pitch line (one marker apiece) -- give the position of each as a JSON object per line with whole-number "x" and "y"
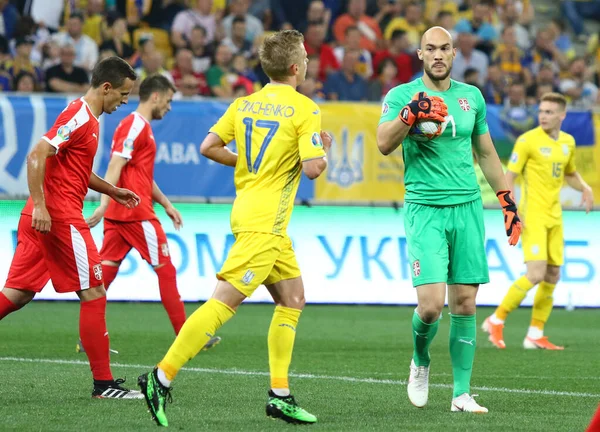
{"x": 308, "y": 376}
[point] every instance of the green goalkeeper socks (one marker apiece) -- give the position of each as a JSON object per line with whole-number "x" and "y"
{"x": 463, "y": 333}
{"x": 423, "y": 334}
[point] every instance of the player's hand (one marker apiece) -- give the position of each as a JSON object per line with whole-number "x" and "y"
{"x": 40, "y": 219}
{"x": 587, "y": 199}
{"x": 423, "y": 107}
{"x": 96, "y": 217}
{"x": 327, "y": 140}
{"x": 175, "y": 216}
{"x": 125, "y": 197}
{"x": 512, "y": 223}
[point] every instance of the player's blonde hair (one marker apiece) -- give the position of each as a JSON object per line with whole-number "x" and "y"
{"x": 280, "y": 51}
{"x": 557, "y": 98}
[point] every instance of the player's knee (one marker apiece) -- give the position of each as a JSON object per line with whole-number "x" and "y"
{"x": 552, "y": 275}
{"x": 430, "y": 312}
{"x": 294, "y": 301}
{"x": 536, "y": 275}
{"x": 18, "y": 297}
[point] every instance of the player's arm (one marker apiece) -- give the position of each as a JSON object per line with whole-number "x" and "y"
{"x": 313, "y": 167}
{"x": 122, "y": 196}
{"x": 214, "y": 148}
{"x": 313, "y": 143}
{"x": 395, "y": 122}
{"x": 159, "y": 197}
{"x": 36, "y": 171}
{"x": 113, "y": 173}
{"x": 577, "y": 182}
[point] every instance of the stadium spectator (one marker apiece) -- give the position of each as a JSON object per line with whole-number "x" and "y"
{"x": 317, "y": 12}
{"x": 288, "y": 14}
{"x": 50, "y": 54}
{"x": 152, "y": 63}
{"x": 580, "y": 91}
{"x": 8, "y": 16}
{"x": 145, "y": 46}
{"x": 544, "y": 50}
{"x": 185, "y": 21}
{"x": 369, "y": 28}
{"x": 25, "y": 82}
{"x": 66, "y": 77}
{"x": 239, "y": 9}
{"x": 202, "y": 53}
{"x": 516, "y": 116}
{"x": 545, "y": 77}
{"x": 312, "y": 71}
{"x": 577, "y": 11}
{"x": 387, "y": 78}
{"x": 94, "y": 23}
{"x": 86, "y": 50}
{"x": 508, "y": 56}
{"x": 398, "y": 51}
{"x": 310, "y": 88}
{"x": 346, "y": 84}
{"x": 471, "y": 76}
{"x": 248, "y": 79}
{"x": 46, "y": 13}
{"x": 385, "y": 11}
{"x": 469, "y": 57}
{"x": 188, "y": 87}
{"x": 494, "y": 90}
{"x": 238, "y": 43}
{"x": 116, "y": 42}
{"x": 184, "y": 66}
{"x": 562, "y": 40}
{"x": 480, "y": 27}
{"x": 27, "y": 28}
{"x": 412, "y": 23}
{"x": 22, "y": 61}
{"x": 217, "y": 73}
{"x": 261, "y": 9}
{"x": 509, "y": 17}
{"x": 314, "y": 43}
{"x": 447, "y": 20}
{"x": 364, "y": 67}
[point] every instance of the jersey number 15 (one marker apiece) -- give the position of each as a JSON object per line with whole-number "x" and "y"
{"x": 267, "y": 124}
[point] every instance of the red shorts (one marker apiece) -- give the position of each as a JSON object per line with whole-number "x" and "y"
{"x": 147, "y": 237}
{"x": 67, "y": 255}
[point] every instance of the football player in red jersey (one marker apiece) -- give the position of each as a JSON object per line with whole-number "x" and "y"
{"x": 53, "y": 240}
{"x": 131, "y": 166}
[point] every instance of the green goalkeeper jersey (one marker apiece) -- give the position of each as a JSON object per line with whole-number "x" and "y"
{"x": 440, "y": 172}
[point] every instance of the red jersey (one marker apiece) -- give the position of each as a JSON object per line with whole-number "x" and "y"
{"x": 133, "y": 140}
{"x": 75, "y": 137}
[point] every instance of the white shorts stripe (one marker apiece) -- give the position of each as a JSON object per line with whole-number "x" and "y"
{"x": 81, "y": 258}
{"x": 151, "y": 241}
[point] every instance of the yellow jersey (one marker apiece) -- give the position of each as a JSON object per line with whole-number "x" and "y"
{"x": 275, "y": 130}
{"x": 543, "y": 162}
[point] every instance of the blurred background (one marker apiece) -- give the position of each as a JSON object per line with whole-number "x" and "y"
{"x": 349, "y": 230}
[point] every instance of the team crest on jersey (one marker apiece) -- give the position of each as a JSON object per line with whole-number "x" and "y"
{"x": 164, "y": 249}
{"x": 565, "y": 149}
{"x": 546, "y": 151}
{"x": 385, "y": 108}
{"x": 98, "y": 271}
{"x": 464, "y": 104}
{"x": 316, "y": 140}
{"x": 248, "y": 276}
{"x": 416, "y": 268}
{"x": 64, "y": 132}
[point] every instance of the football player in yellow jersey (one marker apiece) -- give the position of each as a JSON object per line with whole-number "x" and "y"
{"x": 545, "y": 157}
{"x": 278, "y": 135}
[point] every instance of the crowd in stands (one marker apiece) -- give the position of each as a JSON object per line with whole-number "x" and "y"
{"x": 358, "y": 49}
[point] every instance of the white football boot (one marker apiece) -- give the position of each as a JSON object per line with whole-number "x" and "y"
{"x": 418, "y": 385}
{"x": 466, "y": 403}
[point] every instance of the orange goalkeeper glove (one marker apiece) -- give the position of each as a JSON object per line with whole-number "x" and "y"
{"x": 512, "y": 223}
{"x": 423, "y": 107}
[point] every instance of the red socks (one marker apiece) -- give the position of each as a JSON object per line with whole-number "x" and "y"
{"x": 109, "y": 273}
{"x": 6, "y": 306}
{"x": 94, "y": 337}
{"x": 169, "y": 295}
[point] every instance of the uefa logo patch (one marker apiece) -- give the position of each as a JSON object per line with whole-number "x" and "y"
{"x": 416, "y": 268}
{"x": 64, "y": 132}
{"x": 464, "y": 104}
{"x": 316, "y": 140}
{"x": 128, "y": 144}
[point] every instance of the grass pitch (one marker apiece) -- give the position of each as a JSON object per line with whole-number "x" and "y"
{"x": 350, "y": 368}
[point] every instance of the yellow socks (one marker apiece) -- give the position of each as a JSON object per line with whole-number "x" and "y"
{"x": 282, "y": 334}
{"x": 195, "y": 333}
{"x": 514, "y": 297}
{"x": 542, "y": 305}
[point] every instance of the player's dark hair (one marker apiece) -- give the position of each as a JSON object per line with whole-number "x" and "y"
{"x": 113, "y": 70}
{"x": 280, "y": 51}
{"x": 557, "y": 98}
{"x": 155, "y": 83}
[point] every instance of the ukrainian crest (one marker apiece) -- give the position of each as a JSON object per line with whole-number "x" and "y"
{"x": 416, "y": 268}
{"x": 464, "y": 104}
{"x": 98, "y": 271}
{"x": 565, "y": 149}
{"x": 248, "y": 276}
{"x": 546, "y": 151}
{"x": 164, "y": 248}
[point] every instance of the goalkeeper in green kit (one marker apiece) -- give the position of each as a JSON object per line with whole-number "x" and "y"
{"x": 443, "y": 212}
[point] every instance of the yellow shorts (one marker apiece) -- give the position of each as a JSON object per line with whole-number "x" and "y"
{"x": 259, "y": 258}
{"x": 543, "y": 243}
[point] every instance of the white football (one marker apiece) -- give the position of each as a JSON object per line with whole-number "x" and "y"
{"x": 424, "y": 130}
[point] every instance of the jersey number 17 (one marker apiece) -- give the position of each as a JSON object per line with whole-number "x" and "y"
{"x": 267, "y": 124}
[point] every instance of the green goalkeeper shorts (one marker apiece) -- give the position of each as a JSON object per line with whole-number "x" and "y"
{"x": 446, "y": 244}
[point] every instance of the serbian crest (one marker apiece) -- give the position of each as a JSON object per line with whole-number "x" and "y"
{"x": 464, "y": 104}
